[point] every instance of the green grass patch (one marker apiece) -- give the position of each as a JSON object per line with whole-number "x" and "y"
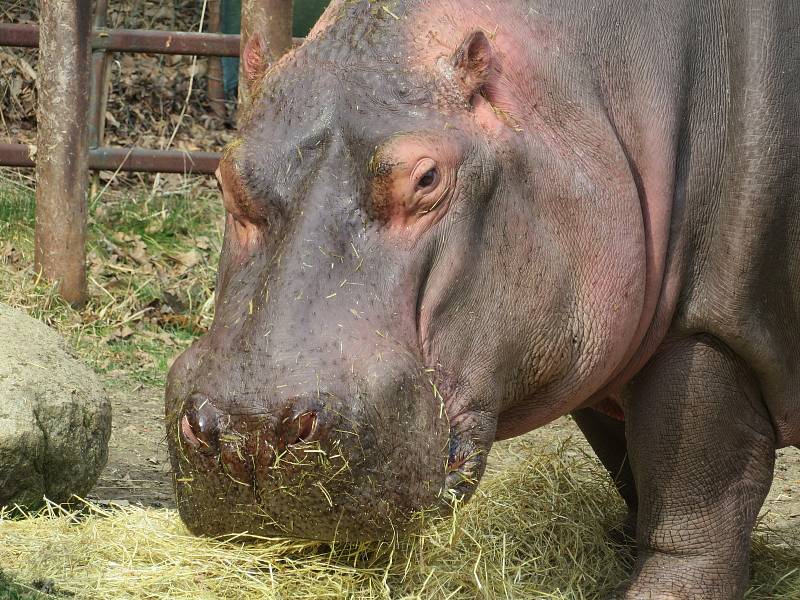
{"x": 17, "y": 207}
{"x": 151, "y": 264}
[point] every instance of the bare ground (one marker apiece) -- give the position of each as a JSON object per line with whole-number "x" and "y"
{"x": 138, "y": 465}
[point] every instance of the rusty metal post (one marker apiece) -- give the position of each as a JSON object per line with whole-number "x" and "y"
{"x": 98, "y": 90}
{"x": 216, "y": 93}
{"x": 62, "y": 157}
{"x": 272, "y": 20}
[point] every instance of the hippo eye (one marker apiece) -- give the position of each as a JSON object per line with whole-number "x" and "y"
{"x": 428, "y": 180}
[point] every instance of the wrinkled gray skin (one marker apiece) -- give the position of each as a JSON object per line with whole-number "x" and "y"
{"x": 450, "y": 223}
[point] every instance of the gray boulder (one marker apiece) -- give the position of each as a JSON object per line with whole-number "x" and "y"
{"x": 55, "y": 418}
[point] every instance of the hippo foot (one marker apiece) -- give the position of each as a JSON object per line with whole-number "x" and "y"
{"x": 660, "y": 576}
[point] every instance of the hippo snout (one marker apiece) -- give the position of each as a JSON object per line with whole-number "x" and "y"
{"x": 317, "y": 465}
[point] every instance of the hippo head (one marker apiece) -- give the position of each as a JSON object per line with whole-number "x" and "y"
{"x": 401, "y": 279}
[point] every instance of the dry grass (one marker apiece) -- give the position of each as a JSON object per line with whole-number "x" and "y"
{"x": 537, "y": 530}
{"x": 534, "y": 532}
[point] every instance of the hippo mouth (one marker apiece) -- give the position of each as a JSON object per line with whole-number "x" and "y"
{"x": 311, "y": 469}
{"x": 220, "y": 456}
{"x": 465, "y": 465}
{"x": 325, "y": 467}
{"x": 466, "y": 455}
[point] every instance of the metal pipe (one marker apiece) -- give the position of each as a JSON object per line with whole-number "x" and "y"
{"x": 216, "y": 91}
{"x": 134, "y": 40}
{"x": 138, "y": 40}
{"x": 21, "y": 36}
{"x": 98, "y": 90}
{"x": 63, "y": 139}
{"x": 271, "y": 21}
{"x": 152, "y": 161}
{"x": 166, "y": 42}
{"x": 16, "y": 155}
{"x": 98, "y": 97}
{"x": 108, "y": 158}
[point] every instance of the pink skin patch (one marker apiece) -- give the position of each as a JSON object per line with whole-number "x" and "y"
{"x": 414, "y": 183}
{"x": 498, "y": 63}
{"x": 486, "y": 55}
{"x": 486, "y": 116}
{"x": 254, "y": 59}
{"x": 610, "y": 407}
{"x": 662, "y": 286}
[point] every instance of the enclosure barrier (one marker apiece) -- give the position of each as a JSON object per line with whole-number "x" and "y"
{"x": 72, "y": 72}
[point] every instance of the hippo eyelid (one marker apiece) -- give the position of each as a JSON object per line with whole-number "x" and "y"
{"x": 429, "y": 179}
{"x": 426, "y": 168}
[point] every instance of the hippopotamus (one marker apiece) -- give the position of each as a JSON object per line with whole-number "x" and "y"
{"x": 451, "y": 222}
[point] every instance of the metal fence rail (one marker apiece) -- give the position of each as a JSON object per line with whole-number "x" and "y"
{"x": 134, "y": 40}
{"x": 107, "y": 158}
{"x": 129, "y": 40}
{"x": 71, "y": 111}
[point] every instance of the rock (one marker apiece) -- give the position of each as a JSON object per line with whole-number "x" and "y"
{"x": 55, "y": 418}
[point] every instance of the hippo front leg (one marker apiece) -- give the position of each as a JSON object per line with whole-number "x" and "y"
{"x": 702, "y": 449}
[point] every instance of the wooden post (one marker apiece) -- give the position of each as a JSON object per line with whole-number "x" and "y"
{"x": 62, "y": 160}
{"x": 272, "y": 19}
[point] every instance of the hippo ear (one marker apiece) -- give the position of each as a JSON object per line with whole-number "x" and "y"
{"x": 475, "y": 63}
{"x": 254, "y": 59}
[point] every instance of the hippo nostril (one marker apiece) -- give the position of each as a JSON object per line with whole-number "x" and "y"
{"x": 305, "y": 426}
{"x": 201, "y": 423}
{"x": 188, "y": 434}
{"x": 204, "y": 423}
{"x": 302, "y": 428}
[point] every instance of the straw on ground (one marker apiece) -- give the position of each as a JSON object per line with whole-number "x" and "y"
{"x": 537, "y": 530}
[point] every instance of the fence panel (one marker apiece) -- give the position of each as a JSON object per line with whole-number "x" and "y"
{"x": 72, "y": 72}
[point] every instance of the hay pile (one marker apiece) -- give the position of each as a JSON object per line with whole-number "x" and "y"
{"x": 537, "y": 531}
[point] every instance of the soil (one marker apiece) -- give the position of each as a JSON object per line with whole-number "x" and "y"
{"x": 138, "y": 468}
{"x": 138, "y": 464}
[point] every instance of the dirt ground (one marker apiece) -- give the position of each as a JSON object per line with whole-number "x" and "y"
{"x": 138, "y": 465}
